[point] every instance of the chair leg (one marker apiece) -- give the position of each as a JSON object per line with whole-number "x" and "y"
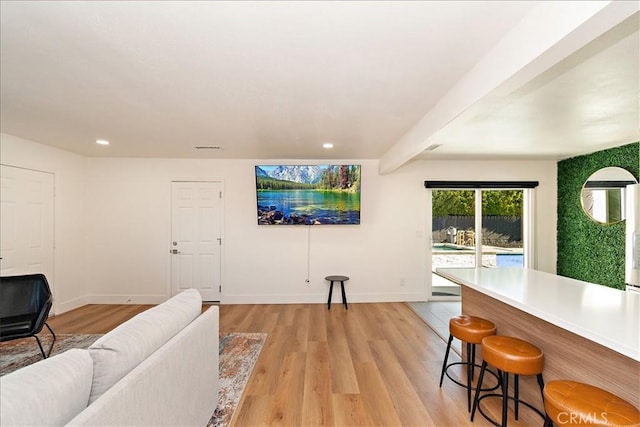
{"x": 44, "y": 356}
{"x": 547, "y": 420}
{"x": 516, "y": 394}
{"x": 477, "y": 395}
{"x": 541, "y": 384}
{"x": 473, "y": 361}
{"x": 469, "y": 375}
{"x": 446, "y": 357}
{"x": 344, "y": 296}
{"x": 54, "y": 338}
{"x": 330, "y": 293}
{"x": 505, "y": 398}
{"x": 53, "y": 341}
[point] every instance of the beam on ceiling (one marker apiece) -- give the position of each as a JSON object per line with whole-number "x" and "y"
{"x": 551, "y": 32}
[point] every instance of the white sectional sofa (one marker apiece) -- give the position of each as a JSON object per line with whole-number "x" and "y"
{"x": 159, "y": 368}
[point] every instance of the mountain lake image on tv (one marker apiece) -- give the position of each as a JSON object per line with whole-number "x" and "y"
{"x": 308, "y": 194}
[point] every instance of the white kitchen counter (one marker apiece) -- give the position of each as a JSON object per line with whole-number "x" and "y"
{"x": 607, "y": 316}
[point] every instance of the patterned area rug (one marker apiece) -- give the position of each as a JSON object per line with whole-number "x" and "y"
{"x": 25, "y": 351}
{"x": 238, "y": 355}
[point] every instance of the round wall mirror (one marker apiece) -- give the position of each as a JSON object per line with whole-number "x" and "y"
{"x": 603, "y": 194}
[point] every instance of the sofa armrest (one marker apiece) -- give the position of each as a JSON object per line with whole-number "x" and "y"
{"x": 176, "y": 385}
{"x": 47, "y": 393}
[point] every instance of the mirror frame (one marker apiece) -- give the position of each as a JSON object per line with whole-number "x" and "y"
{"x": 610, "y": 184}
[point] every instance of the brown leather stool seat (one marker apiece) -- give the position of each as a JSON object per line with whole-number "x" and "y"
{"x": 577, "y": 404}
{"x": 470, "y": 330}
{"x": 509, "y": 355}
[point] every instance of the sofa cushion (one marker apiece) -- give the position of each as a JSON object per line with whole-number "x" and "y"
{"x": 118, "y": 352}
{"x": 50, "y": 392}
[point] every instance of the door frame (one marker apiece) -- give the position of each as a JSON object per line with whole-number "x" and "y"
{"x": 51, "y": 280}
{"x": 169, "y": 223}
{"x": 528, "y": 218}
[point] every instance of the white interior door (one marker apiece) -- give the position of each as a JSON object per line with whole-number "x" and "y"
{"x": 196, "y": 238}
{"x": 26, "y": 222}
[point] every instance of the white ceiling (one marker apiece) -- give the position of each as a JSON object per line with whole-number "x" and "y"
{"x": 277, "y": 79}
{"x": 587, "y": 102}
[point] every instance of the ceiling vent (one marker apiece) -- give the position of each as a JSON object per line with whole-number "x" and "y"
{"x": 208, "y": 147}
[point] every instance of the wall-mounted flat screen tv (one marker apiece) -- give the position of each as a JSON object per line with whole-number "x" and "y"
{"x": 308, "y": 194}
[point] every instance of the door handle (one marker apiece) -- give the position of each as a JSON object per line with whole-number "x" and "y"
{"x": 175, "y": 251}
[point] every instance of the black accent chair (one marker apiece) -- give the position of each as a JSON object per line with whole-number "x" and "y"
{"x": 25, "y": 302}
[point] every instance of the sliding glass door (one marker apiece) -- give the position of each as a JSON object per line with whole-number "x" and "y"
{"x": 480, "y": 227}
{"x": 502, "y": 228}
{"x": 453, "y": 236}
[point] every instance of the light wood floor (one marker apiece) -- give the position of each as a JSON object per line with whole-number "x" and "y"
{"x": 374, "y": 364}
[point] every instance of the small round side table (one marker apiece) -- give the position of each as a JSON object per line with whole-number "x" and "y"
{"x": 340, "y": 279}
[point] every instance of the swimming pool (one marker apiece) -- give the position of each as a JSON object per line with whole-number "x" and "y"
{"x": 449, "y": 247}
{"x": 451, "y": 255}
{"x": 509, "y": 260}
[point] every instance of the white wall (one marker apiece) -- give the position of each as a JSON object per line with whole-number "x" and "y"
{"x": 261, "y": 263}
{"x": 129, "y": 231}
{"x": 113, "y": 228}
{"x": 69, "y": 281}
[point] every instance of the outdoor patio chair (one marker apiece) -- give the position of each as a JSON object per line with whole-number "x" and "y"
{"x": 471, "y": 238}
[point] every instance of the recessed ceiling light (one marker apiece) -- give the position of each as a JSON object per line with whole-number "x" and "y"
{"x": 327, "y": 145}
{"x": 102, "y": 142}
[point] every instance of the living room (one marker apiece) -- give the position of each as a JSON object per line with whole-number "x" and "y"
{"x": 114, "y": 217}
{"x": 112, "y": 210}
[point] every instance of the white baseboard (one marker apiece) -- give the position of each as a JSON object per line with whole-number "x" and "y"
{"x": 321, "y": 298}
{"x": 127, "y": 299}
{"x": 63, "y": 307}
{"x": 244, "y": 299}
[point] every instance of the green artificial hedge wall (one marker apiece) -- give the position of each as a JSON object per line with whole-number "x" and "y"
{"x": 588, "y": 250}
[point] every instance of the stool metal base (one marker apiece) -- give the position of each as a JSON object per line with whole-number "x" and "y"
{"x": 475, "y": 365}
{"x": 471, "y": 356}
{"x": 518, "y": 401}
{"x": 504, "y": 382}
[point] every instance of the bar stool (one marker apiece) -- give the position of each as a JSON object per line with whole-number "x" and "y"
{"x": 470, "y": 330}
{"x": 510, "y": 356}
{"x": 578, "y": 404}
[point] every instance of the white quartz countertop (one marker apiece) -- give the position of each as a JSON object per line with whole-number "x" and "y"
{"x": 607, "y": 316}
